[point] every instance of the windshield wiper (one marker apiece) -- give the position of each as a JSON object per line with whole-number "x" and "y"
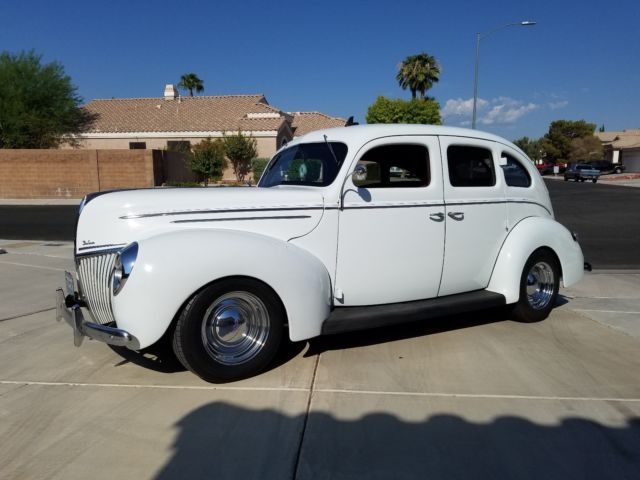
{"x": 331, "y": 150}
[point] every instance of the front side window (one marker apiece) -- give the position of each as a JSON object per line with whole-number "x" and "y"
{"x": 515, "y": 174}
{"x": 311, "y": 164}
{"x": 394, "y": 166}
{"x": 470, "y": 166}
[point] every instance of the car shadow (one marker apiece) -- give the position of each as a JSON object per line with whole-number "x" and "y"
{"x": 428, "y": 326}
{"x": 159, "y": 357}
{"x": 226, "y": 441}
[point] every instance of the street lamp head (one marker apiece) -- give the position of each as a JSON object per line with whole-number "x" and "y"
{"x": 527, "y": 23}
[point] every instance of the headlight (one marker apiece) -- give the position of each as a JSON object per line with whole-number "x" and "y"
{"x": 123, "y": 266}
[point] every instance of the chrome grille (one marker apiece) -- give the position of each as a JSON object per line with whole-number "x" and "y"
{"x": 94, "y": 273}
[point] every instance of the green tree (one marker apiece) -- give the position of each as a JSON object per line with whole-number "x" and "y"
{"x": 240, "y": 150}
{"x": 533, "y": 148}
{"x": 39, "y": 106}
{"x": 601, "y": 129}
{"x": 585, "y": 149}
{"x": 422, "y": 111}
{"x": 257, "y": 167}
{"x": 418, "y": 73}
{"x": 191, "y": 82}
{"x": 560, "y": 135}
{"x": 208, "y": 159}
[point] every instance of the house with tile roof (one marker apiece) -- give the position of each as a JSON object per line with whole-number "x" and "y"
{"x": 172, "y": 120}
{"x": 622, "y": 147}
{"x": 305, "y": 122}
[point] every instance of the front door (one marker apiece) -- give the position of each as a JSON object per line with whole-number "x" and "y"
{"x": 391, "y": 230}
{"x": 476, "y": 220}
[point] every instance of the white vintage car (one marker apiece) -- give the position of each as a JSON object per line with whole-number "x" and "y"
{"x": 349, "y": 228}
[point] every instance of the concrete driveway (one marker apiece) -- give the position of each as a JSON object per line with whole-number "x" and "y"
{"x": 472, "y": 396}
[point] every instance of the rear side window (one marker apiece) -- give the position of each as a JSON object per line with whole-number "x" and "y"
{"x": 515, "y": 174}
{"x": 470, "y": 166}
{"x": 394, "y": 166}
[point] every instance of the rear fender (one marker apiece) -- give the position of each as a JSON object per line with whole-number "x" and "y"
{"x": 527, "y": 236}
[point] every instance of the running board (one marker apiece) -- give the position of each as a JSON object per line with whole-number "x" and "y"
{"x": 347, "y": 319}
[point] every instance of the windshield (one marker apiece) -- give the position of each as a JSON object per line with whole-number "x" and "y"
{"x": 311, "y": 164}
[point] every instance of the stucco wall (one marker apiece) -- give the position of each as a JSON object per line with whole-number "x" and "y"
{"x": 266, "y": 145}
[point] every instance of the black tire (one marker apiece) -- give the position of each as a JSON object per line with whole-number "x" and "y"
{"x": 566, "y": 179}
{"x": 528, "y": 310}
{"x": 229, "y": 308}
{"x": 594, "y": 180}
{"x": 582, "y": 179}
{"x": 618, "y": 170}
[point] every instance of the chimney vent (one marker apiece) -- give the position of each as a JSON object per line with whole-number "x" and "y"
{"x": 170, "y": 92}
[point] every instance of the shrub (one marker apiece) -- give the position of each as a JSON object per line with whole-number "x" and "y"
{"x": 257, "y": 167}
{"x": 240, "y": 151}
{"x": 208, "y": 159}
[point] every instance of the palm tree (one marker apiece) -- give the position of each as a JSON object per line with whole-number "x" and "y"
{"x": 191, "y": 82}
{"x": 418, "y": 73}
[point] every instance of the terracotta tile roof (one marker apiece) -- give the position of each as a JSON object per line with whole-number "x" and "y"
{"x": 185, "y": 114}
{"x": 305, "y": 122}
{"x": 629, "y": 138}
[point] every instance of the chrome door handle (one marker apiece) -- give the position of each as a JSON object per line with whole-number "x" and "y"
{"x": 437, "y": 217}
{"x": 456, "y": 215}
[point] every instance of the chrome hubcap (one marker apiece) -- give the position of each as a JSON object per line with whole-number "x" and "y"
{"x": 235, "y": 327}
{"x": 540, "y": 285}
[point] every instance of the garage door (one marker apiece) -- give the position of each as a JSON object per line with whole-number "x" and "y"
{"x": 631, "y": 158}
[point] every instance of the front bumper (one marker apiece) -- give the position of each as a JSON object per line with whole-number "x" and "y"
{"x": 69, "y": 308}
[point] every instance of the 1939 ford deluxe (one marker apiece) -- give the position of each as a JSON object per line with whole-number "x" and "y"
{"x": 348, "y": 228}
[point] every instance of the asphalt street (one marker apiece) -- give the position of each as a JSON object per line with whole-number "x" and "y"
{"x": 605, "y": 217}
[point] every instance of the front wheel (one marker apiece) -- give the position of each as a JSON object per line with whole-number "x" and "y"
{"x": 229, "y": 330}
{"x": 618, "y": 170}
{"x": 539, "y": 285}
{"x": 594, "y": 180}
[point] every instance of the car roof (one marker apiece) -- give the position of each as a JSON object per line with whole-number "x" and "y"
{"x": 357, "y": 132}
{"x": 364, "y": 133}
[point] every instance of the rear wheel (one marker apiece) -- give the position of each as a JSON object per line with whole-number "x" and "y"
{"x": 618, "y": 170}
{"x": 582, "y": 179}
{"x": 594, "y": 180}
{"x": 539, "y": 285}
{"x": 230, "y": 330}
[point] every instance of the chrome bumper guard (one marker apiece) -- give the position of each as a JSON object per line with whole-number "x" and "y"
{"x": 68, "y": 308}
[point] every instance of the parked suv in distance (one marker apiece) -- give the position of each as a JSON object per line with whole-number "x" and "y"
{"x": 581, "y": 172}
{"x": 607, "y": 167}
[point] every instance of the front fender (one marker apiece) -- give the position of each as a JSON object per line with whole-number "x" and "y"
{"x": 527, "y": 236}
{"x": 173, "y": 266}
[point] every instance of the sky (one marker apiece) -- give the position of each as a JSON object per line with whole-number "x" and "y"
{"x": 581, "y": 60}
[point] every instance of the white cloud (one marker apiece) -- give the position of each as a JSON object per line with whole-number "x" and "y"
{"x": 500, "y": 111}
{"x": 558, "y": 104}
{"x": 505, "y": 110}
{"x": 459, "y": 107}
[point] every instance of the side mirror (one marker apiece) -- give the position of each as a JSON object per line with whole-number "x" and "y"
{"x": 359, "y": 173}
{"x": 503, "y": 161}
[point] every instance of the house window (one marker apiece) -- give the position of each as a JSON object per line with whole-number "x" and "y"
{"x": 394, "y": 166}
{"x": 137, "y": 145}
{"x": 470, "y": 166}
{"x": 179, "y": 145}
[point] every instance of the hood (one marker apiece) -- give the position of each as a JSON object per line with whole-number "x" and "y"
{"x": 115, "y": 219}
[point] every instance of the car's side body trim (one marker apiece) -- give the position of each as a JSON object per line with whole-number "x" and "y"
{"x": 346, "y": 319}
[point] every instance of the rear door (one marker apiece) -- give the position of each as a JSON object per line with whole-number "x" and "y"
{"x": 476, "y": 213}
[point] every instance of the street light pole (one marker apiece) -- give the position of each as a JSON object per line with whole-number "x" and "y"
{"x": 526, "y": 23}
